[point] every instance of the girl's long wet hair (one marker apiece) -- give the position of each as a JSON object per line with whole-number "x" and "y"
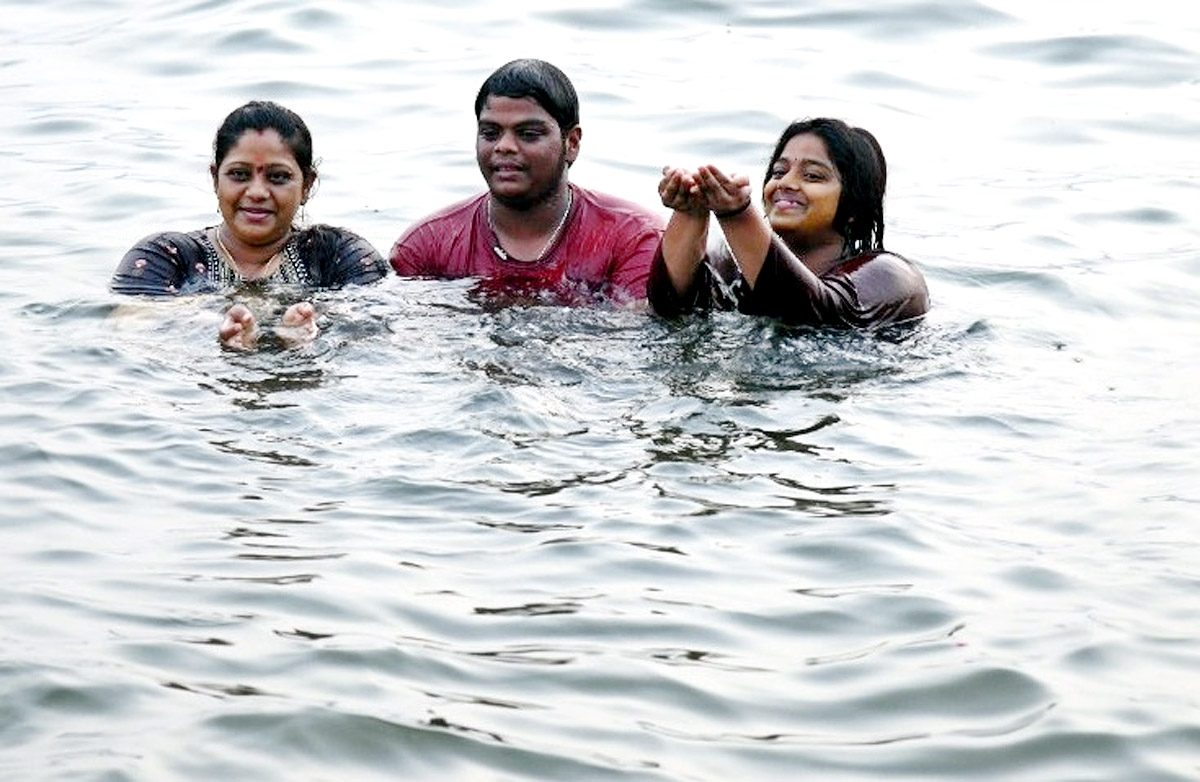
{"x": 863, "y": 171}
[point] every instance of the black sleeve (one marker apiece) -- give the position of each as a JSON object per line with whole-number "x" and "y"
{"x": 787, "y": 289}
{"x": 873, "y": 289}
{"x": 716, "y": 285}
{"x": 337, "y": 257}
{"x": 663, "y": 297}
{"x": 158, "y": 265}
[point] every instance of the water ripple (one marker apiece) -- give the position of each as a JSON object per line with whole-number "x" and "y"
{"x": 473, "y": 538}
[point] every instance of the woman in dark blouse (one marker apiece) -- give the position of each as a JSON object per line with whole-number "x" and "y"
{"x": 262, "y": 174}
{"x": 814, "y": 256}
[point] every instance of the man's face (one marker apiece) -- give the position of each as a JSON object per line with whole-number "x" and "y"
{"x": 522, "y": 153}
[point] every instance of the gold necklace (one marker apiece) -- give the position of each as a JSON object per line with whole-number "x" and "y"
{"x": 503, "y": 254}
{"x": 270, "y": 267}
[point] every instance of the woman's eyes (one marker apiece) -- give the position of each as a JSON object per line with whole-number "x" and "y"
{"x": 809, "y": 175}
{"x": 275, "y": 177}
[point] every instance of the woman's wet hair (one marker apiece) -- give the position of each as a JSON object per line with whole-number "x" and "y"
{"x": 263, "y": 115}
{"x": 535, "y": 79}
{"x": 862, "y": 169}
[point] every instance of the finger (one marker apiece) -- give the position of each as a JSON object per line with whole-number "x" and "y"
{"x": 710, "y": 175}
{"x": 298, "y": 313}
{"x": 241, "y": 315}
{"x": 719, "y": 178}
{"x": 710, "y": 187}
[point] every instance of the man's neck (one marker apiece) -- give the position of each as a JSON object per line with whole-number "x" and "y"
{"x": 533, "y": 222}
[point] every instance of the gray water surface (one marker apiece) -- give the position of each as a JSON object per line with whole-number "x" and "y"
{"x": 457, "y": 541}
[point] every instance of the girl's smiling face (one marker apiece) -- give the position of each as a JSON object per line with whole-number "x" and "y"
{"x": 802, "y": 192}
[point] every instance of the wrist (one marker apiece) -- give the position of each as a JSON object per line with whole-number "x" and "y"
{"x": 733, "y": 212}
{"x": 694, "y": 212}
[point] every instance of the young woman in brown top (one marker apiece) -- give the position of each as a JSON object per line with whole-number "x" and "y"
{"x": 814, "y": 256}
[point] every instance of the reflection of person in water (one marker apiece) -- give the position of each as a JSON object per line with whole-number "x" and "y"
{"x": 815, "y": 258}
{"x": 533, "y": 231}
{"x": 262, "y": 173}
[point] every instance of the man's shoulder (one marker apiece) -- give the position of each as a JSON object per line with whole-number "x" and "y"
{"x": 439, "y": 243}
{"x": 460, "y": 212}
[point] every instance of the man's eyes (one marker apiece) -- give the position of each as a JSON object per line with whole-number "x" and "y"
{"x": 524, "y": 134}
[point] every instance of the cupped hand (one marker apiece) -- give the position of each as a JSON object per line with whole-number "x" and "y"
{"x": 238, "y": 330}
{"x": 723, "y": 192}
{"x": 299, "y": 324}
{"x": 680, "y": 191}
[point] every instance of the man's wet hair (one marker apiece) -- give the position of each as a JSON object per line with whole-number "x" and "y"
{"x": 537, "y": 79}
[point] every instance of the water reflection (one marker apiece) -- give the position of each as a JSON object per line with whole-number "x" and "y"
{"x": 704, "y": 549}
{"x": 257, "y": 454}
{"x": 677, "y": 443}
{"x": 263, "y": 384}
{"x": 531, "y": 609}
{"x": 729, "y": 357}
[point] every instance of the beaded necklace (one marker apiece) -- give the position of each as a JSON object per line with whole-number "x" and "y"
{"x": 503, "y": 254}
{"x": 285, "y": 266}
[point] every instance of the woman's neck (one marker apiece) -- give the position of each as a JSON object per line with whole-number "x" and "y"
{"x": 249, "y": 257}
{"x": 819, "y": 256}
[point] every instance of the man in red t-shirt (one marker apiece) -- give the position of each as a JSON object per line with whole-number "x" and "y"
{"x": 533, "y": 232}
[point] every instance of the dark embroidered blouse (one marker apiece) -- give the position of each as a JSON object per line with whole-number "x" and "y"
{"x": 173, "y": 263}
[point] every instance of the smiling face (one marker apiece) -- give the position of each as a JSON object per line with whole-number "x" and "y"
{"x": 259, "y": 187}
{"x": 802, "y": 192}
{"x": 522, "y": 153}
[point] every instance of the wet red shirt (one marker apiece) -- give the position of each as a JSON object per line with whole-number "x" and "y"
{"x": 605, "y": 248}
